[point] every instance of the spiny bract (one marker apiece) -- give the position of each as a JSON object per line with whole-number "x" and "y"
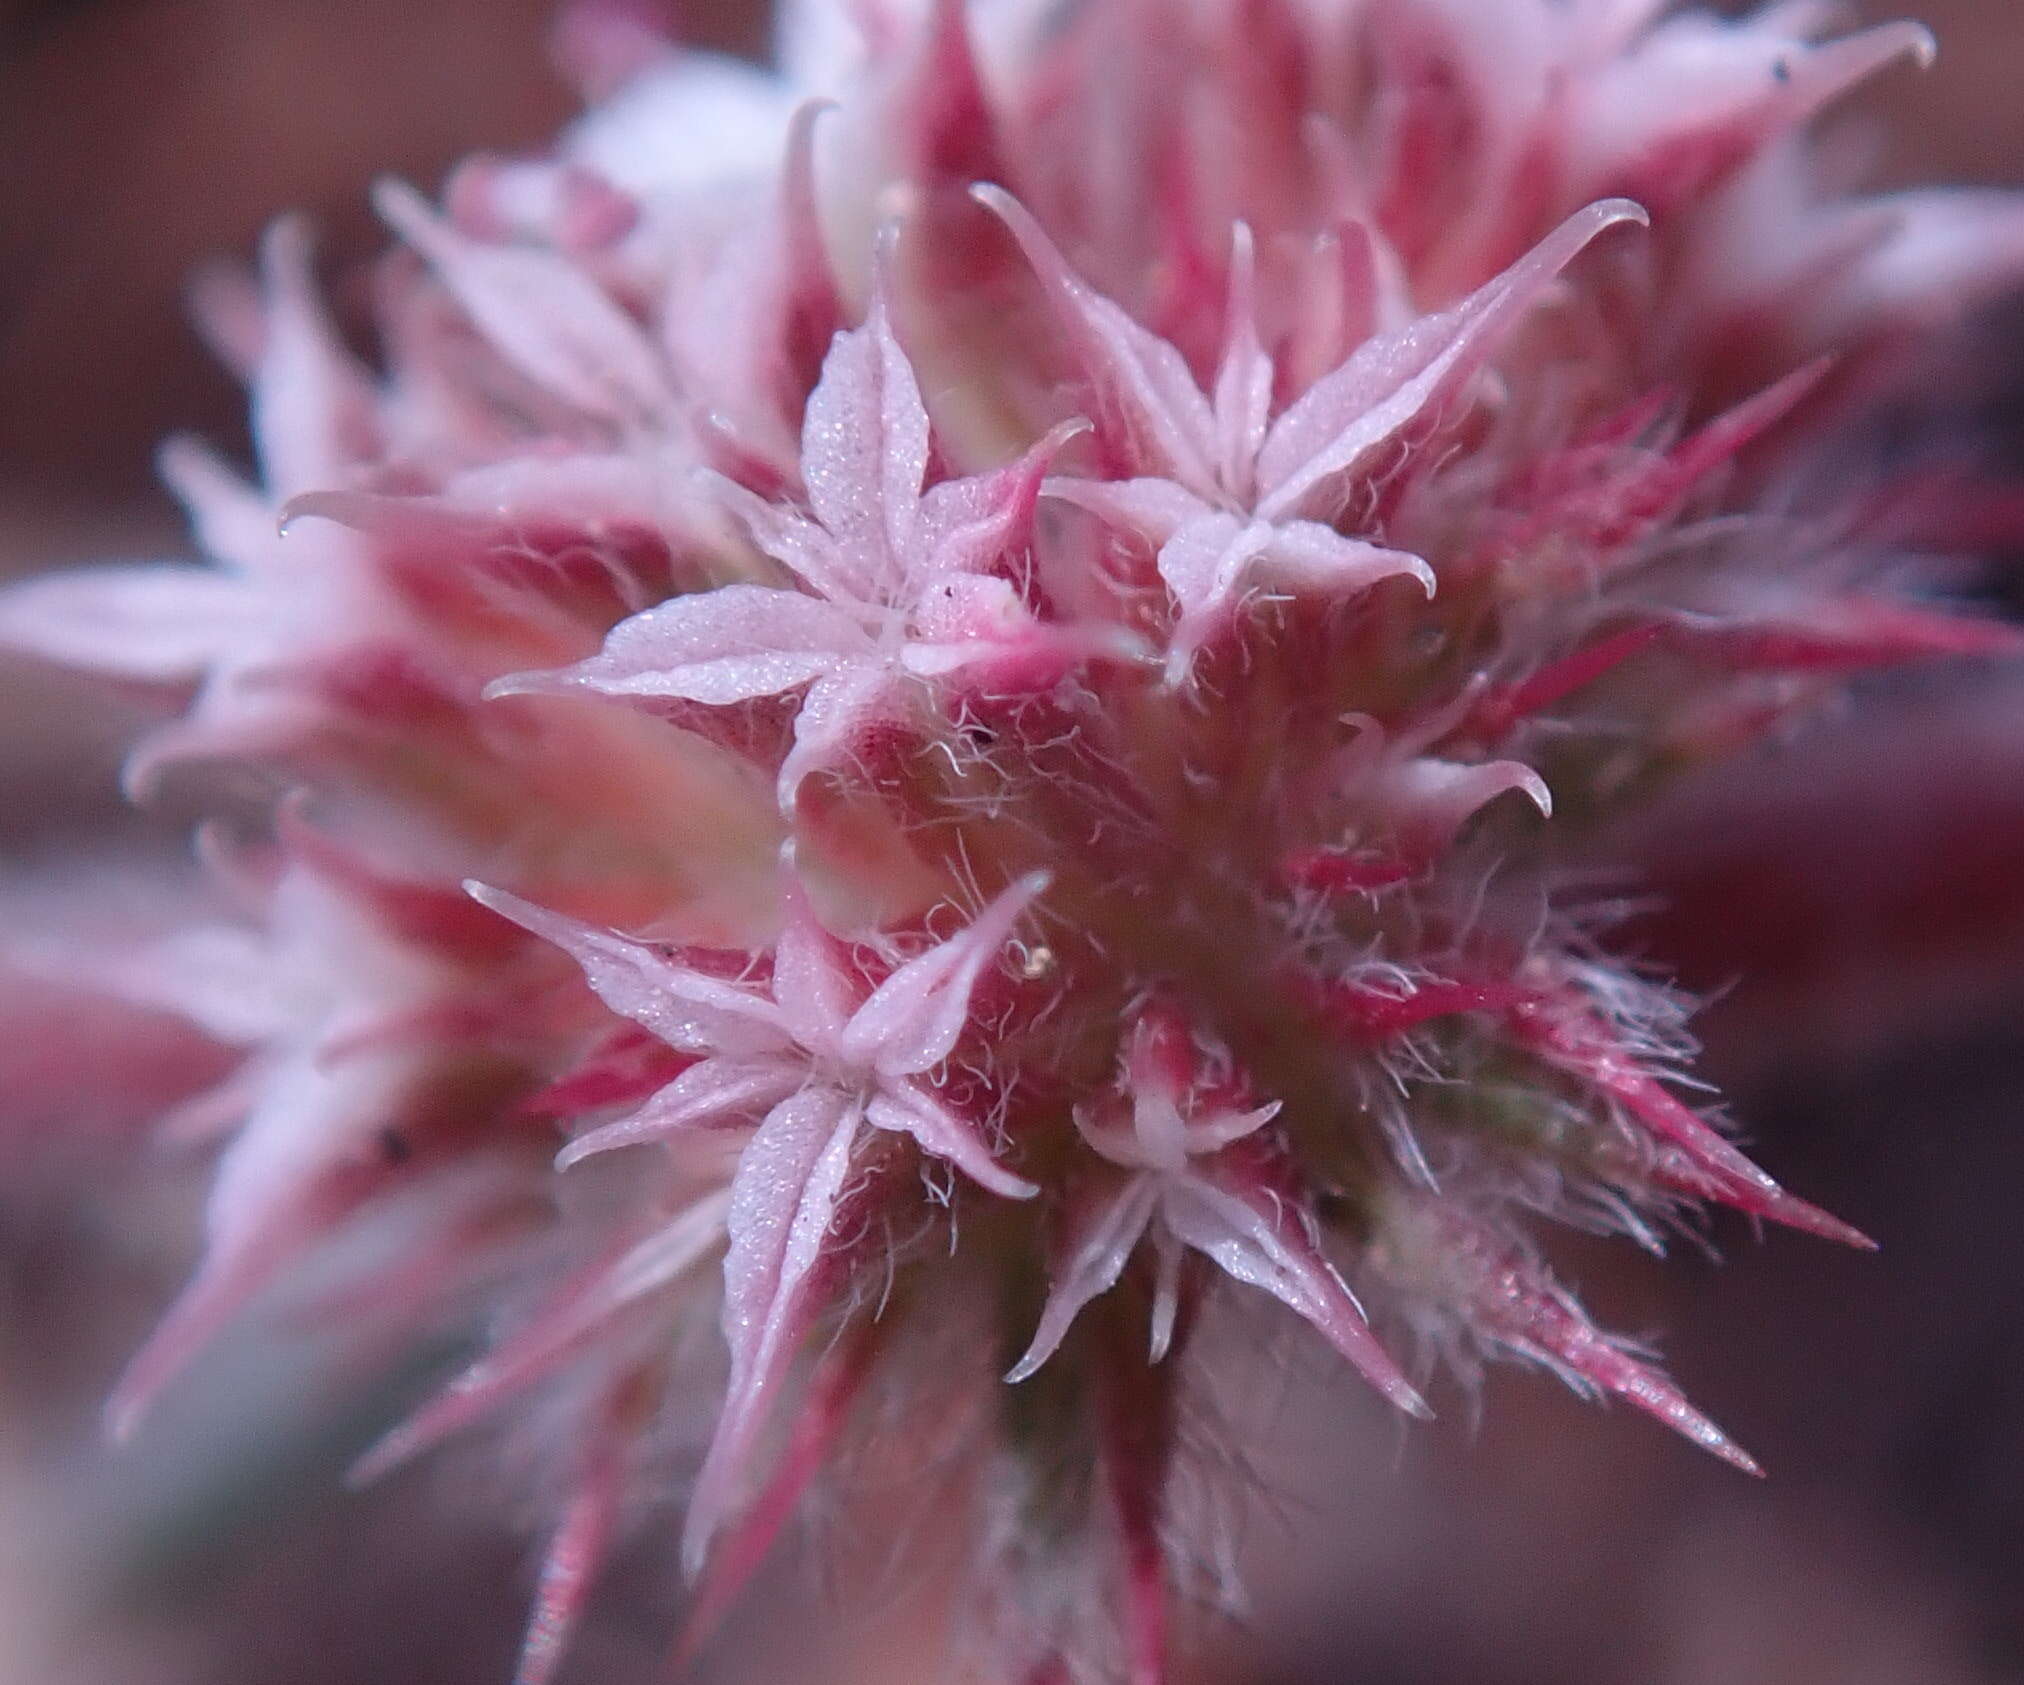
{"x": 994, "y": 621}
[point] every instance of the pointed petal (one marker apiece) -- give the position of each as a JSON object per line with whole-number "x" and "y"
{"x": 709, "y": 1093}
{"x": 908, "y": 1110}
{"x": 1307, "y": 557}
{"x": 864, "y": 453}
{"x": 969, "y": 525}
{"x": 783, "y": 1201}
{"x": 149, "y": 621}
{"x": 1150, "y": 510}
{"x": 1581, "y": 1045}
{"x": 1202, "y": 566}
{"x": 1213, "y": 1130}
{"x": 1212, "y": 562}
{"x": 1679, "y": 1170}
{"x": 751, "y": 332}
{"x": 577, "y": 1550}
{"x": 541, "y": 313}
{"x": 1250, "y": 1235}
{"x": 313, "y": 406}
{"x": 289, "y": 1179}
{"x": 1532, "y": 1314}
{"x": 718, "y": 647}
{"x": 815, "y": 988}
{"x": 1391, "y": 382}
{"x": 1700, "y": 95}
{"x": 1138, "y": 374}
{"x": 817, "y": 1423}
{"x": 1428, "y": 801}
{"x": 560, "y": 1329}
{"x": 1168, "y": 1256}
{"x": 1099, "y": 1243}
{"x": 223, "y": 1285}
{"x": 913, "y": 1019}
{"x": 233, "y": 523}
{"x": 796, "y": 543}
{"x": 685, "y": 1008}
{"x": 584, "y": 494}
{"x": 1243, "y": 395}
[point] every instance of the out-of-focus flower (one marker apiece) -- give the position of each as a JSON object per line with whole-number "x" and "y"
{"x": 977, "y": 605}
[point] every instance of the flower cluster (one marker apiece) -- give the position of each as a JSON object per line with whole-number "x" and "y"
{"x": 965, "y": 672}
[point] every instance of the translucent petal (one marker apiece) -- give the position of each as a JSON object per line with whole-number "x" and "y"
{"x": 907, "y": 1109}
{"x": 716, "y": 647}
{"x": 571, "y": 1317}
{"x": 816, "y": 990}
{"x": 704, "y": 1094}
{"x": 1139, "y": 372}
{"x": 864, "y": 454}
{"x": 1390, "y": 382}
{"x": 148, "y": 621}
{"x": 685, "y": 1008}
{"x": 543, "y": 314}
{"x": 913, "y": 1019}
{"x": 783, "y": 1200}
{"x": 1251, "y": 1236}
{"x": 1101, "y": 1245}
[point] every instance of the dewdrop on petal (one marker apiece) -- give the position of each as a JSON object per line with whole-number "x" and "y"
{"x": 1010, "y": 626}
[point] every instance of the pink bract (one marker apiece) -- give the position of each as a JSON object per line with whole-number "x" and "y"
{"x": 972, "y": 610}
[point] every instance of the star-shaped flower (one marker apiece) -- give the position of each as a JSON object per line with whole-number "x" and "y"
{"x": 1228, "y": 489}
{"x": 1183, "y": 1188}
{"x": 893, "y": 583}
{"x": 814, "y": 1059}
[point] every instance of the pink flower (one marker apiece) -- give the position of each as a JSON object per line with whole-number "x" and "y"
{"x": 814, "y": 1064}
{"x": 1185, "y": 1187}
{"x": 891, "y": 582}
{"x": 974, "y": 609}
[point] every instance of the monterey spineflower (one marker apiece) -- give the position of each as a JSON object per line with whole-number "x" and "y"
{"x": 934, "y": 706}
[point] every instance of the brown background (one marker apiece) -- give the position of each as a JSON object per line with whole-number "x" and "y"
{"x": 1881, "y": 1066}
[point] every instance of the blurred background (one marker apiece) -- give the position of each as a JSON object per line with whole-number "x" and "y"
{"x": 1869, "y": 960}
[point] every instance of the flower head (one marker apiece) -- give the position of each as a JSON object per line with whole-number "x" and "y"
{"x": 972, "y": 613}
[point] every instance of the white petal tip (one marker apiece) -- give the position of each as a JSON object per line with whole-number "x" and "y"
{"x": 1737, "y": 1458}
{"x": 142, "y": 775}
{"x": 1903, "y": 39}
{"x": 402, "y": 208}
{"x": 507, "y": 906}
{"x": 557, "y": 682}
{"x": 309, "y": 505}
{"x": 1607, "y": 213}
